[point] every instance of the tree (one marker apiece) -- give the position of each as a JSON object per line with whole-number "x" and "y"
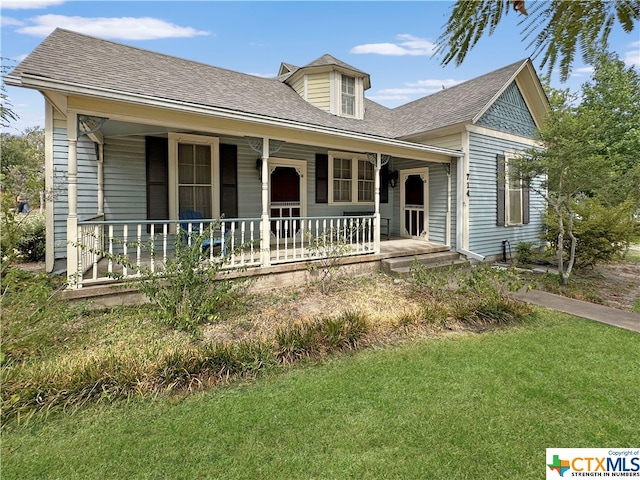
{"x": 612, "y": 100}
{"x": 587, "y": 166}
{"x": 7, "y": 115}
{"x": 22, "y": 164}
{"x": 555, "y": 29}
{"x": 562, "y": 171}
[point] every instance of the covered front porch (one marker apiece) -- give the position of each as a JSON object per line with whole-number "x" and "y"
{"x": 109, "y": 252}
{"x": 262, "y": 202}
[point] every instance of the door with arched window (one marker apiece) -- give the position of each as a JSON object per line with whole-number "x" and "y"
{"x": 287, "y": 196}
{"x": 414, "y": 195}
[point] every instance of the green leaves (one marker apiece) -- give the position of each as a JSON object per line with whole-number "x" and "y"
{"x": 556, "y": 29}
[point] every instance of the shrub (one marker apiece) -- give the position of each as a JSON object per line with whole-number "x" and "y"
{"x": 603, "y": 233}
{"x": 524, "y": 253}
{"x": 476, "y": 296}
{"x": 328, "y": 247}
{"x": 23, "y": 237}
{"x": 192, "y": 288}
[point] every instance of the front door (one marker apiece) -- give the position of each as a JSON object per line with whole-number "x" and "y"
{"x": 286, "y": 197}
{"x": 414, "y": 195}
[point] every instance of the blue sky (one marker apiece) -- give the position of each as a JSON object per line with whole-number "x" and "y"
{"x": 392, "y": 41}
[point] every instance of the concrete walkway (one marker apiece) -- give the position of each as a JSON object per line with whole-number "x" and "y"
{"x": 591, "y": 311}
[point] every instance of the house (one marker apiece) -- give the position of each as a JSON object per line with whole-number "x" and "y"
{"x": 134, "y": 138}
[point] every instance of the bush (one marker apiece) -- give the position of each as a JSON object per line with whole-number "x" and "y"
{"x": 475, "y": 296}
{"x": 192, "y": 289}
{"x": 524, "y": 253}
{"x": 23, "y": 237}
{"x": 603, "y": 233}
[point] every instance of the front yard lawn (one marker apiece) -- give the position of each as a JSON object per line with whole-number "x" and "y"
{"x": 461, "y": 405}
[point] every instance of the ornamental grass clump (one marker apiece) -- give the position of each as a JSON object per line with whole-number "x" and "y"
{"x": 113, "y": 374}
{"x": 320, "y": 336}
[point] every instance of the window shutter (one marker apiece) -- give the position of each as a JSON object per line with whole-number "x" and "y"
{"x": 322, "y": 178}
{"x": 384, "y": 184}
{"x": 157, "y": 159}
{"x": 500, "y": 160}
{"x": 525, "y": 204}
{"x": 229, "y": 181}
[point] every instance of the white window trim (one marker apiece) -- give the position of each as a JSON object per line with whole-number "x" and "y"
{"x": 336, "y": 96}
{"x": 214, "y": 143}
{"x": 301, "y": 167}
{"x": 354, "y": 157}
{"x": 507, "y": 195}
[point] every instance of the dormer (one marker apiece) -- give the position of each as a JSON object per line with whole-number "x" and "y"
{"x": 330, "y": 85}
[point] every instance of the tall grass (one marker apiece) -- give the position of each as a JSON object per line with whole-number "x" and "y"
{"x": 71, "y": 382}
{"x": 460, "y": 406}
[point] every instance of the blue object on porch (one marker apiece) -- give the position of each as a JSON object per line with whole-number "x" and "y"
{"x": 195, "y": 215}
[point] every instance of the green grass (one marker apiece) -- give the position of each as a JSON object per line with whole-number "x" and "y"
{"x": 457, "y": 406}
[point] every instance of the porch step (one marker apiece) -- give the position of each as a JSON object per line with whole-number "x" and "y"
{"x": 401, "y": 266}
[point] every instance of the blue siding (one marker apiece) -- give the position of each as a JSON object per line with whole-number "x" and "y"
{"x": 485, "y": 237}
{"x": 509, "y": 113}
{"x": 87, "y": 185}
{"x": 125, "y": 189}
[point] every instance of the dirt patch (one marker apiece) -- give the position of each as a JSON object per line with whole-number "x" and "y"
{"x": 619, "y": 284}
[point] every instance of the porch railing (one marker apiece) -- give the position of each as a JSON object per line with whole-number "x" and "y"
{"x": 109, "y": 250}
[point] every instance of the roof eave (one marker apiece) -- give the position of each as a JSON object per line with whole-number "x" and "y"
{"x": 39, "y": 83}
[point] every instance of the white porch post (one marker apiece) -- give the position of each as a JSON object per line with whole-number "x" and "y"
{"x": 376, "y": 230}
{"x": 74, "y": 279}
{"x": 448, "y": 225}
{"x": 265, "y": 237}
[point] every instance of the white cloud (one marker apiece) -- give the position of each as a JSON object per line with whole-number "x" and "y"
{"x": 263, "y": 75}
{"x": 581, "y": 72}
{"x": 419, "y": 88}
{"x": 403, "y": 91}
{"x": 10, "y": 22}
{"x": 632, "y": 57}
{"x": 395, "y": 98}
{"x": 407, "y": 45}
{"x": 122, "y": 28}
{"x": 435, "y": 82}
{"x": 29, "y": 4}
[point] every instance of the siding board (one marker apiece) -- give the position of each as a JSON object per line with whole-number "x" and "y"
{"x": 485, "y": 237}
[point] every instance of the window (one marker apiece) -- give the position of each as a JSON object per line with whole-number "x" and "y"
{"x": 348, "y": 95}
{"x": 342, "y": 179}
{"x": 513, "y": 195}
{"x": 194, "y": 178}
{"x": 194, "y": 174}
{"x": 352, "y": 179}
{"x": 365, "y": 181}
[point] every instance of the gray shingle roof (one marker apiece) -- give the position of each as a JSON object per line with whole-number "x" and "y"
{"x": 83, "y": 60}
{"x": 327, "y": 59}
{"x": 457, "y": 104}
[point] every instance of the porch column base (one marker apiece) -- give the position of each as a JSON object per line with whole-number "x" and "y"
{"x": 265, "y": 242}
{"x": 74, "y": 275}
